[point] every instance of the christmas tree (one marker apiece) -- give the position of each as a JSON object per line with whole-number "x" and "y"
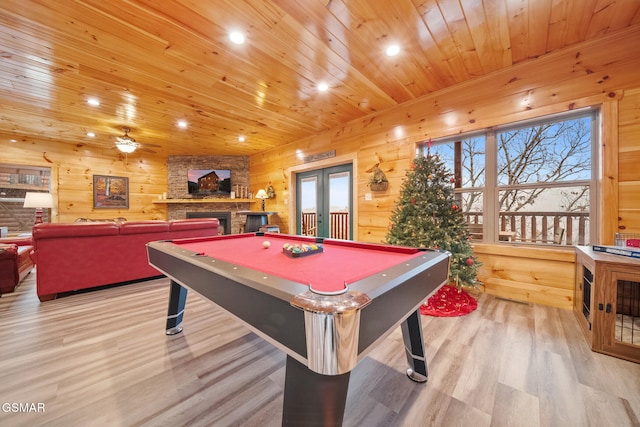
{"x": 429, "y": 216}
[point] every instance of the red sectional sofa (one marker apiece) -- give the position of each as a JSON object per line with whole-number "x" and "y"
{"x": 76, "y": 256}
{"x": 15, "y": 262}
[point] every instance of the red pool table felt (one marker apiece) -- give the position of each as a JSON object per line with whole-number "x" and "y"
{"x": 326, "y": 272}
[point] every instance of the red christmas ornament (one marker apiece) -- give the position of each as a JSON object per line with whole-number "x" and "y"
{"x": 453, "y": 180}
{"x": 470, "y": 261}
{"x": 413, "y": 201}
{"x": 454, "y": 207}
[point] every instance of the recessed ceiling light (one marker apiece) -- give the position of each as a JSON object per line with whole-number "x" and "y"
{"x": 241, "y": 138}
{"x": 93, "y": 101}
{"x": 182, "y": 124}
{"x": 323, "y": 87}
{"x": 91, "y": 134}
{"x": 393, "y": 50}
{"x": 13, "y": 140}
{"x": 236, "y": 37}
{"x": 398, "y": 132}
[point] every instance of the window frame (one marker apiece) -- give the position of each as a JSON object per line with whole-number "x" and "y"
{"x": 491, "y": 189}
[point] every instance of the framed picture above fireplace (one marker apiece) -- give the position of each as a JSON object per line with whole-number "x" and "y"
{"x": 209, "y": 182}
{"x": 110, "y": 192}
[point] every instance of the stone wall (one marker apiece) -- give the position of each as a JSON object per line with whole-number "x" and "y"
{"x": 177, "y": 167}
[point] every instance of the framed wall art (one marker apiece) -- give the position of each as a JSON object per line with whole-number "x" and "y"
{"x": 110, "y": 192}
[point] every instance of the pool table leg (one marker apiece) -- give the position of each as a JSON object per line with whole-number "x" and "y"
{"x": 414, "y": 348}
{"x": 177, "y": 302}
{"x": 312, "y": 399}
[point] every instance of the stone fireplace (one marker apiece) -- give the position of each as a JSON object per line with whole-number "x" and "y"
{"x": 180, "y": 204}
{"x": 223, "y": 217}
{"x": 179, "y": 166}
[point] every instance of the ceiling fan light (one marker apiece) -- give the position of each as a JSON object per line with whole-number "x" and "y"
{"x": 126, "y": 145}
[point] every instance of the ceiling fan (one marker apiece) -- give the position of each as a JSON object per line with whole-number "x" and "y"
{"x": 128, "y": 145}
{"x": 125, "y": 143}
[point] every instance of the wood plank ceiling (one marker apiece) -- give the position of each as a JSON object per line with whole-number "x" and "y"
{"x": 152, "y": 63}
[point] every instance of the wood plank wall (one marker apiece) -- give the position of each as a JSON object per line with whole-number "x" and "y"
{"x": 629, "y": 161}
{"x": 72, "y": 170}
{"x": 601, "y": 73}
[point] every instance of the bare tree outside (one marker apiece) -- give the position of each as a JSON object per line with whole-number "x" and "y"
{"x": 556, "y": 152}
{"x": 543, "y": 174}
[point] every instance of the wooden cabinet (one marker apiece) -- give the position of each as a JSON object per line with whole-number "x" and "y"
{"x": 607, "y": 302}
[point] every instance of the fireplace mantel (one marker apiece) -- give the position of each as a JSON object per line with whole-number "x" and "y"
{"x": 229, "y": 200}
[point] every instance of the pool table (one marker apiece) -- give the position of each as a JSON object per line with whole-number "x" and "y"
{"x": 326, "y": 310}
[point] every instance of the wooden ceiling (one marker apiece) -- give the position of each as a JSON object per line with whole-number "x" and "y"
{"x": 154, "y": 62}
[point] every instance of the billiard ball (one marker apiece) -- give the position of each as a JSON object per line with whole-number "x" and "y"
{"x": 266, "y": 244}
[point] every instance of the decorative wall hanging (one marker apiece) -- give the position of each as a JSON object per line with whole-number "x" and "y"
{"x": 378, "y": 180}
{"x": 110, "y": 192}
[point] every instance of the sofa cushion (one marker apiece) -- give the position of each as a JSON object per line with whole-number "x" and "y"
{"x": 19, "y": 240}
{"x": 137, "y": 227}
{"x": 82, "y": 229}
{"x": 193, "y": 224}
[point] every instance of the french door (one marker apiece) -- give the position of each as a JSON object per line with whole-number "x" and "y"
{"x": 324, "y": 202}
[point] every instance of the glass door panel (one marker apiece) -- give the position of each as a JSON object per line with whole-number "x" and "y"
{"x": 308, "y": 197}
{"x": 339, "y": 205}
{"x": 324, "y": 202}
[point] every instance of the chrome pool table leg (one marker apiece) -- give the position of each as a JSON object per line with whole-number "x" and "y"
{"x": 177, "y": 302}
{"x": 414, "y": 348}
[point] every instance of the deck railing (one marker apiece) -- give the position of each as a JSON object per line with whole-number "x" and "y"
{"x": 564, "y": 228}
{"x": 309, "y": 224}
{"x": 338, "y": 224}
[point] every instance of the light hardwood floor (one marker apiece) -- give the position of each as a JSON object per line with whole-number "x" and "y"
{"x": 102, "y": 359}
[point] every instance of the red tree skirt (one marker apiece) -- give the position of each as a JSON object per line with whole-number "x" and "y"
{"x": 449, "y": 302}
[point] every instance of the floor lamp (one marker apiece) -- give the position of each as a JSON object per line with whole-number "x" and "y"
{"x": 39, "y": 201}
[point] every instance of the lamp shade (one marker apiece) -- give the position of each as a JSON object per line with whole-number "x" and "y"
{"x": 261, "y": 194}
{"x": 38, "y": 200}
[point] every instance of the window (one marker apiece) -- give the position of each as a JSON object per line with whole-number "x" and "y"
{"x": 531, "y": 182}
{"x": 15, "y": 182}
